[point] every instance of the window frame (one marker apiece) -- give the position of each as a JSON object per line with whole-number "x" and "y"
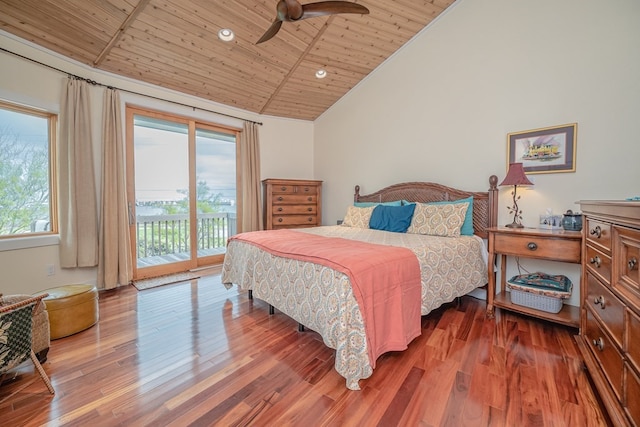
{"x": 47, "y": 237}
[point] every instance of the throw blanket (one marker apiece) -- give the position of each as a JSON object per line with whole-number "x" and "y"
{"x": 385, "y": 281}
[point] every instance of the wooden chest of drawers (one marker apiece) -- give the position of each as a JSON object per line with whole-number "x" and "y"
{"x": 290, "y": 203}
{"x": 609, "y": 337}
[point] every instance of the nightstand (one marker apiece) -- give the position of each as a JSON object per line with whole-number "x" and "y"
{"x": 550, "y": 245}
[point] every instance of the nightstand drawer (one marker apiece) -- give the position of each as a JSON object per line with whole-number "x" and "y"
{"x": 552, "y": 248}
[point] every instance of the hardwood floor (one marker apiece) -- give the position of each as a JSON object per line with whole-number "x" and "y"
{"x": 197, "y": 354}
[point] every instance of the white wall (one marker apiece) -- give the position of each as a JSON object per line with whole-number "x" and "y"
{"x": 286, "y": 147}
{"x": 441, "y": 108}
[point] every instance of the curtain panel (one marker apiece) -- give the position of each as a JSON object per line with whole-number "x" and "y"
{"x": 77, "y": 192}
{"x": 115, "y": 262}
{"x": 250, "y": 171}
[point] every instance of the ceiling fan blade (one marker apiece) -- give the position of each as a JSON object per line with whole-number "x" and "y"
{"x": 272, "y": 31}
{"x": 324, "y": 8}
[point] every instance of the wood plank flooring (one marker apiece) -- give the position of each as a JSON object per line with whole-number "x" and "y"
{"x": 197, "y": 354}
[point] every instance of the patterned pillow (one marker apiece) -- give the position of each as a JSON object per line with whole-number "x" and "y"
{"x": 438, "y": 220}
{"x": 358, "y": 217}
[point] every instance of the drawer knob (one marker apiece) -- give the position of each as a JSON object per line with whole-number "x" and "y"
{"x": 597, "y": 231}
{"x": 596, "y": 261}
{"x": 309, "y": 209}
{"x": 279, "y": 219}
{"x": 532, "y": 246}
{"x": 310, "y": 219}
{"x": 283, "y": 188}
{"x": 632, "y": 263}
{"x": 279, "y": 209}
{"x": 280, "y": 199}
{"x": 599, "y": 301}
{"x": 599, "y": 343}
{"x": 310, "y": 199}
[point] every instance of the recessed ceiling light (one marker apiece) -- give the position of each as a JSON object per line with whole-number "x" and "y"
{"x": 226, "y": 35}
{"x": 321, "y": 74}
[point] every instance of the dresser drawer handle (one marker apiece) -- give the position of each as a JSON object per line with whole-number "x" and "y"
{"x": 532, "y": 246}
{"x": 596, "y": 261}
{"x": 596, "y": 231}
{"x": 310, "y": 199}
{"x": 280, "y": 199}
{"x": 279, "y": 219}
{"x": 306, "y": 189}
{"x": 283, "y": 188}
{"x": 279, "y": 209}
{"x": 599, "y": 301}
{"x": 310, "y": 219}
{"x": 633, "y": 263}
{"x": 599, "y": 344}
{"x": 309, "y": 209}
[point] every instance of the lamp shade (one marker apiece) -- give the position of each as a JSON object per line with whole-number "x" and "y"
{"x": 516, "y": 176}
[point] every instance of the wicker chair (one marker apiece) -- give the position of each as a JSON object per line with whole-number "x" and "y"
{"x": 40, "y": 331}
{"x": 16, "y": 345}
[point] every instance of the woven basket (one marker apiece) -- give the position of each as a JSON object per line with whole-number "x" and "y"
{"x": 539, "y": 302}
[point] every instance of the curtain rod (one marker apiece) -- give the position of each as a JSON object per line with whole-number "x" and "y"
{"x": 95, "y": 83}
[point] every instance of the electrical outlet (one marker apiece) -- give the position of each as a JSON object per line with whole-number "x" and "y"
{"x": 51, "y": 270}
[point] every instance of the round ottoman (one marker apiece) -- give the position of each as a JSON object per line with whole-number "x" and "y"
{"x": 71, "y": 308}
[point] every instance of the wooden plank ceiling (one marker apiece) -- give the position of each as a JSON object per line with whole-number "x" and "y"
{"x": 174, "y": 44}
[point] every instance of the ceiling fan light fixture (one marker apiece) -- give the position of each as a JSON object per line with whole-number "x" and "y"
{"x": 226, "y": 35}
{"x": 321, "y": 74}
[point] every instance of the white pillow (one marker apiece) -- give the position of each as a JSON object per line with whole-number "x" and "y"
{"x": 358, "y": 217}
{"x": 438, "y": 220}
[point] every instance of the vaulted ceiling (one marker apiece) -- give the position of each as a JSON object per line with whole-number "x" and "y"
{"x": 174, "y": 44}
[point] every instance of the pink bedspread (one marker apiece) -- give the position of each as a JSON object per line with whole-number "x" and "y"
{"x": 385, "y": 281}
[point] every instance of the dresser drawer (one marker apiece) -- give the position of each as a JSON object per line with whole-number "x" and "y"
{"x": 606, "y": 306}
{"x": 626, "y": 249}
{"x": 301, "y": 220}
{"x": 599, "y": 234}
{"x": 632, "y": 339}
{"x": 632, "y": 394}
{"x": 599, "y": 264}
{"x": 555, "y": 249}
{"x": 294, "y": 199}
{"x": 295, "y": 209}
{"x": 294, "y": 189}
{"x": 605, "y": 352}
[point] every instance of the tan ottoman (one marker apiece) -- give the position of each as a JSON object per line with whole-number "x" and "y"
{"x": 71, "y": 308}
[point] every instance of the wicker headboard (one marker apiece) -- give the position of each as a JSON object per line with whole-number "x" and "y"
{"x": 485, "y": 203}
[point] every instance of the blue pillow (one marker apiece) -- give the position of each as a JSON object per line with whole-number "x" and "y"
{"x": 392, "y": 218}
{"x": 467, "y": 225}
{"x": 369, "y": 204}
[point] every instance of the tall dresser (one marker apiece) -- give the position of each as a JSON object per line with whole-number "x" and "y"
{"x": 292, "y": 203}
{"x": 609, "y": 337}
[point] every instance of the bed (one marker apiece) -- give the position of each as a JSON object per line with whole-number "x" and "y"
{"x": 325, "y": 298}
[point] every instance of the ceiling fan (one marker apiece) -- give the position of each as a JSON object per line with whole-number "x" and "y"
{"x": 292, "y": 10}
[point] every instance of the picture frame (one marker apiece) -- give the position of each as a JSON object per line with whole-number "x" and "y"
{"x": 545, "y": 150}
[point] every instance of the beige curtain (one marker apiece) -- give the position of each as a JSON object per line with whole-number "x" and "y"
{"x": 250, "y": 171}
{"x": 114, "y": 264}
{"x": 77, "y": 193}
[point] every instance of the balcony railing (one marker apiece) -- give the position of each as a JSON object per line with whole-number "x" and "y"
{"x": 168, "y": 236}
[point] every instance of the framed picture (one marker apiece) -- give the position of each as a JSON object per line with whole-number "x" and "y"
{"x": 546, "y": 150}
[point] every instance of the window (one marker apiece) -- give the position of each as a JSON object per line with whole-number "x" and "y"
{"x": 27, "y": 147}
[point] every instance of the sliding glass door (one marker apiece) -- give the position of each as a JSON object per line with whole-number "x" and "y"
{"x": 182, "y": 192}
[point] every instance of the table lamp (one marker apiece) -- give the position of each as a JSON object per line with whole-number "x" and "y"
{"x": 515, "y": 176}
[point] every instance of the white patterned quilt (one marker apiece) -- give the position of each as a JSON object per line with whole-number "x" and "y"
{"x": 321, "y": 298}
